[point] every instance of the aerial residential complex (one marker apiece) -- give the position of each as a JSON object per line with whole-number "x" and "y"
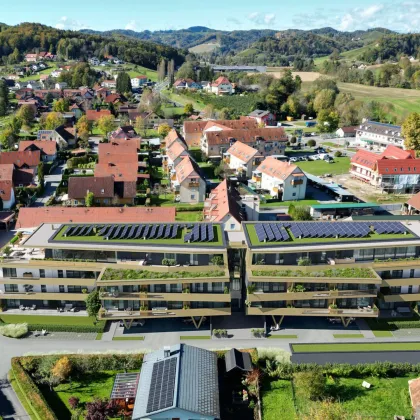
{"x": 379, "y": 135}
{"x": 146, "y": 270}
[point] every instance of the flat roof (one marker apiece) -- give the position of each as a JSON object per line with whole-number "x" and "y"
{"x": 344, "y": 205}
{"x": 330, "y": 185}
{"x": 52, "y": 236}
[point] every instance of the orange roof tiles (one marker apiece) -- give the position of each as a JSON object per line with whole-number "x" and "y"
{"x": 123, "y": 172}
{"x": 6, "y": 181}
{"x": 246, "y": 136}
{"x": 242, "y": 151}
{"x": 19, "y": 158}
{"x": 48, "y": 147}
{"x": 277, "y": 169}
{"x": 94, "y": 115}
{"x": 191, "y": 127}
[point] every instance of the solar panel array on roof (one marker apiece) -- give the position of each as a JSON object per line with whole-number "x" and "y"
{"x": 200, "y": 233}
{"x": 162, "y": 385}
{"x": 269, "y": 232}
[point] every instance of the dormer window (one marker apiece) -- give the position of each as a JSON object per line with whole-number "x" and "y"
{"x": 102, "y": 191}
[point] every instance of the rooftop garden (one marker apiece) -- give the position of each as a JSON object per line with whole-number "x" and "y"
{"x": 254, "y": 241}
{"x": 365, "y": 273}
{"x": 179, "y": 240}
{"x": 118, "y": 274}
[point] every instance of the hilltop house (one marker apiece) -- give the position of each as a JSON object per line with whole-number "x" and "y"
{"x": 282, "y": 180}
{"x": 181, "y": 84}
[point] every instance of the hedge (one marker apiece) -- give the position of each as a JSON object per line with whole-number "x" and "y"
{"x": 14, "y": 239}
{"x": 392, "y": 325}
{"x": 32, "y": 394}
{"x": 99, "y": 327}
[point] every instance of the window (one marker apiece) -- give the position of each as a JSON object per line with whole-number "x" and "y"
{"x": 42, "y": 273}
{"x": 410, "y": 289}
{"x": 232, "y": 225}
{"x": 61, "y": 288}
{"x": 11, "y": 288}
{"x": 74, "y": 289}
{"x": 192, "y": 196}
{"x": 102, "y": 191}
{"x": 294, "y": 194}
{"x": 9, "y": 272}
{"x": 43, "y": 288}
{"x": 76, "y": 202}
{"x": 60, "y": 274}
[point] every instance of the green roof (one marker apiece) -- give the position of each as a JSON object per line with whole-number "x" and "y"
{"x": 344, "y": 205}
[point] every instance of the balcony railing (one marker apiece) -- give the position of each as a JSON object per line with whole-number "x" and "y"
{"x": 314, "y": 312}
{"x": 43, "y": 296}
{"x": 48, "y": 281}
{"x": 171, "y": 297}
{"x": 401, "y": 297}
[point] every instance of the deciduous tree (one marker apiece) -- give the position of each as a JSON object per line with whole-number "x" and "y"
{"x": 163, "y": 130}
{"x": 93, "y": 303}
{"x": 410, "y": 129}
{"x": 62, "y": 369}
{"x": 89, "y": 199}
{"x": 51, "y": 121}
{"x": 106, "y": 124}
{"x": 26, "y": 113}
{"x": 188, "y": 109}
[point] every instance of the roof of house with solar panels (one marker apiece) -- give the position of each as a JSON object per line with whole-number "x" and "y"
{"x": 290, "y": 233}
{"x": 128, "y": 235}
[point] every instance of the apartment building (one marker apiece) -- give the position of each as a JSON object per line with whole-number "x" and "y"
{"x": 381, "y": 135}
{"x": 142, "y": 270}
{"x": 243, "y": 159}
{"x": 324, "y": 269}
{"x": 394, "y": 170}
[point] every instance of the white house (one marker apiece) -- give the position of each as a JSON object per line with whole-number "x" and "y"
{"x": 221, "y": 86}
{"x": 175, "y": 152}
{"x": 110, "y": 84}
{"x": 283, "y": 180}
{"x": 138, "y": 81}
{"x": 243, "y": 159}
{"x": 380, "y": 135}
{"x": 346, "y": 132}
{"x": 35, "y": 85}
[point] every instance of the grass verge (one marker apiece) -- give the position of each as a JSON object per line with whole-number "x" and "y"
{"x": 282, "y": 336}
{"x": 99, "y": 336}
{"x": 128, "y": 338}
{"x": 348, "y": 336}
{"x": 354, "y": 347}
{"x": 277, "y": 400}
{"x": 195, "y": 337}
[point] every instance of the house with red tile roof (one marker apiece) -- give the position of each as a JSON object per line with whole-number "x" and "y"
{"x": 174, "y": 154}
{"x": 138, "y": 81}
{"x": 171, "y": 137}
{"x": 187, "y": 84}
{"x": 101, "y": 187}
{"x": 48, "y": 149}
{"x": 394, "y": 170}
{"x": 118, "y": 153}
{"x": 31, "y": 217}
{"x": 222, "y": 206}
{"x": 187, "y": 182}
{"x": 243, "y": 159}
{"x": 95, "y": 114}
{"x": 282, "y": 180}
{"x": 7, "y": 191}
{"x": 110, "y": 84}
{"x": 21, "y": 159}
{"x": 221, "y": 86}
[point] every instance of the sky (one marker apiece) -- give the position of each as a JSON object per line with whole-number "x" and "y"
{"x": 139, "y": 15}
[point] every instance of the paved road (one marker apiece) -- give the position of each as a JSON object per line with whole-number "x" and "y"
{"x": 51, "y": 183}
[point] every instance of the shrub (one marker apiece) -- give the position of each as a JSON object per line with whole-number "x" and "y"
{"x": 74, "y": 402}
{"x": 99, "y": 327}
{"x": 14, "y": 330}
{"x": 14, "y": 239}
{"x": 310, "y": 384}
{"x": 118, "y": 274}
{"x": 217, "y": 260}
{"x": 311, "y": 143}
{"x": 338, "y": 153}
{"x": 62, "y": 369}
{"x": 364, "y": 273}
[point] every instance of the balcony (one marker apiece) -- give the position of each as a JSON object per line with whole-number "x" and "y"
{"x": 339, "y": 261}
{"x": 43, "y": 296}
{"x": 48, "y": 281}
{"x": 403, "y": 263}
{"x": 406, "y": 281}
{"x": 401, "y": 297}
{"x": 55, "y": 263}
{"x": 314, "y": 295}
{"x": 170, "y": 297}
{"x": 164, "y": 313}
{"x": 193, "y": 184}
{"x": 356, "y": 313}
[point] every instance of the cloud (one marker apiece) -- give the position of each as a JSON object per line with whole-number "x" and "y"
{"x": 74, "y": 25}
{"x": 399, "y": 15}
{"x": 262, "y": 19}
{"x": 131, "y": 26}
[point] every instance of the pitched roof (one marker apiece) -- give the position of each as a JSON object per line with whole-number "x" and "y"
{"x": 277, "y": 169}
{"x": 134, "y": 140}
{"x": 24, "y": 176}
{"x": 350, "y": 129}
{"x": 191, "y": 376}
{"x": 117, "y": 152}
{"x": 242, "y": 151}
{"x": 191, "y": 127}
{"x": 19, "y": 158}
{"x": 258, "y": 113}
{"x": 122, "y": 172}
{"x": 176, "y": 149}
{"x": 187, "y": 168}
{"x": 414, "y": 390}
{"x": 79, "y": 186}
{"x": 221, "y": 203}
{"x": 238, "y": 359}
{"x": 221, "y": 80}
{"x": 414, "y": 201}
{"x": 94, "y": 115}
{"x": 67, "y": 133}
{"x": 30, "y": 217}
{"x": 365, "y": 158}
{"x": 114, "y": 97}
{"x": 47, "y": 147}
{"x": 172, "y": 136}
{"x": 246, "y": 136}
{"x": 6, "y": 181}
{"x": 381, "y": 128}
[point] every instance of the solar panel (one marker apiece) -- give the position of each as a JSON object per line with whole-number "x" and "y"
{"x": 89, "y": 231}
{"x": 203, "y": 233}
{"x": 76, "y": 230}
{"x": 138, "y": 232}
{"x": 276, "y": 232}
{"x": 195, "y": 233}
{"x": 68, "y": 229}
{"x": 103, "y": 230}
{"x": 167, "y": 233}
{"x": 153, "y": 232}
{"x": 146, "y": 231}
{"x": 187, "y": 237}
{"x": 174, "y": 231}
{"x": 162, "y": 385}
{"x": 260, "y": 233}
{"x": 210, "y": 232}
{"x": 117, "y": 232}
{"x": 269, "y": 232}
{"x": 132, "y": 231}
{"x": 160, "y": 231}
{"x": 81, "y": 231}
{"x": 123, "y": 233}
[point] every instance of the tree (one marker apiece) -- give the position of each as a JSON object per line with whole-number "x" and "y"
{"x": 310, "y": 384}
{"x": 300, "y": 213}
{"x": 123, "y": 83}
{"x": 311, "y": 143}
{"x": 327, "y": 121}
{"x": 411, "y": 131}
{"x": 4, "y": 98}
{"x": 186, "y": 71}
{"x": 161, "y": 70}
{"x": 93, "y": 303}
{"x": 324, "y": 99}
{"x": 26, "y": 114}
{"x": 61, "y": 105}
{"x": 188, "y": 109}
{"x": 140, "y": 126}
{"x": 293, "y": 140}
{"x": 62, "y": 369}
{"x": 106, "y": 124}
{"x": 84, "y": 127}
{"x": 89, "y": 199}
{"x": 10, "y": 133}
{"x": 101, "y": 409}
{"x": 163, "y": 130}
{"x": 150, "y": 101}
{"x": 51, "y": 121}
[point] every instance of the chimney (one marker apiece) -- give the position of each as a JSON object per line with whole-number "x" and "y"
{"x": 166, "y": 351}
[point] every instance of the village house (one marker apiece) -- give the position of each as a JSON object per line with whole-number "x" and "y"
{"x": 101, "y": 187}
{"x": 61, "y": 85}
{"x": 282, "y": 180}
{"x": 193, "y": 130}
{"x": 27, "y": 159}
{"x": 110, "y": 84}
{"x": 171, "y": 137}
{"x": 243, "y": 159}
{"x": 346, "y": 132}
{"x": 187, "y": 182}
{"x": 138, "y": 81}
{"x": 412, "y": 206}
{"x": 77, "y": 112}
{"x": 125, "y": 132}
{"x": 7, "y": 191}
{"x": 268, "y": 141}
{"x": 31, "y": 58}
{"x": 182, "y": 84}
{"x": 64, "y": 136}
{"x": 94, "y": 115}
{"x": 222, "y": 207}
{"x": 393, "y": 171}
{"x": 56, "y": 73}
{"x": 175, "y": 152}
{"x": 221, "y": 86}
{"x": 48, "y": 149}
{"x": 381, "y": 135}
{"x": 150, "y": 119}
{"x": 263, "y": 117}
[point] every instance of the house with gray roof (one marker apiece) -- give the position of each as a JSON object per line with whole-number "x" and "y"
{"x": 178, "y": 382}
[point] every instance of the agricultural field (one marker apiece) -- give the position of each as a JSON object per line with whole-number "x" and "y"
{"x": 204, "y": 48}
{"x": 306, "y": 76}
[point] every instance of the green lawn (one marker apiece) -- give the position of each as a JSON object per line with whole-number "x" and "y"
{"x": 287, "y": 203}
{"x": 189, "y": 216}
{"x": 87, "y": 388}
{"x": 320, "y": 167}
{"x": 348, "y": 336}
{"x": 47, "y": 319}
{"x": 136, "y": 338}
{"x": 277, "y": 400}
{"x": 195, "y": 337}
{"x": 172, "y": 111}
{"x": 275, "y": 336}
{"x": 183, "y": 100}
{"x": 387, "y": 397}
{"x": 356, "y": 347}
{"x": 99, "y": 336}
